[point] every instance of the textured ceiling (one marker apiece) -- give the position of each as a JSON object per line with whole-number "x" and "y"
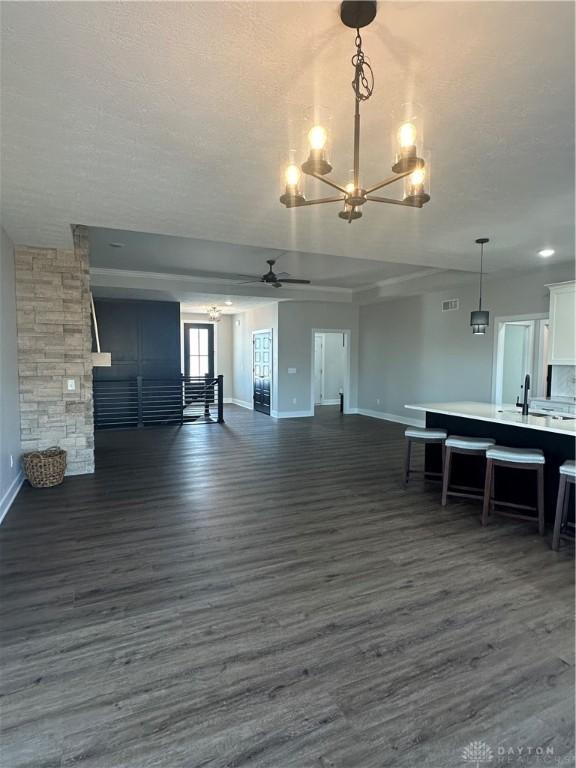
{"x": 174, "y": 118}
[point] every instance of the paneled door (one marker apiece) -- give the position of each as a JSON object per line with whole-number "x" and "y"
{"x": 262, "y": 368}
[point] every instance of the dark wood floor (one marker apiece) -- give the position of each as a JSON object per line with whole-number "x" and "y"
{"x": 265, "y": 594}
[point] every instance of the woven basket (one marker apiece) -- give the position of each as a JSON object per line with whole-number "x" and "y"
{"x": 44, "y": 469}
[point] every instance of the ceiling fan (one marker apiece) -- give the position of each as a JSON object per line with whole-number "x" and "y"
{"x": 277, "y": 280}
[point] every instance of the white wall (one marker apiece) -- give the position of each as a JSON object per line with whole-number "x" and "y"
{"x": 222, "y": 346}
{"x": 296, "y": 322}
{"x": 243, "y": 326}
{"x": 410, "y": 351}
{"x": 10, "y": 477}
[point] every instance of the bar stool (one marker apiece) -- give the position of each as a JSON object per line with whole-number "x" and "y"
{"x": 425, "y": 436}
{"x": 567, "y": 478}
{"x": 514, "y": 458}
{"x": 471, "y": 446}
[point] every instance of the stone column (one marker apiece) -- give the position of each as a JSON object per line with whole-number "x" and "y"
{"x": 55, "y": 345}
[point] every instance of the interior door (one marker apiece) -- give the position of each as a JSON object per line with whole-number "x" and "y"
{"x": 262, "y": 370}
{"x": 318, "y": 361}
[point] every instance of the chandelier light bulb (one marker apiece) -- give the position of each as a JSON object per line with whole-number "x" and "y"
{"x": 417, "y": 178}
{"x": 407, "y": 135}
{"x": 317, "y": 137}
{"x": 350, "y": 187}
{"x": 292, "y": 175}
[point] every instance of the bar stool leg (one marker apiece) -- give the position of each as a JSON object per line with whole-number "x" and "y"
{"x": 561, "y": 507}
{"x": 540, "y": 481}
{"x": 488, "y": 484}
{"x": 407, "y": 461}
{"x": 446, "y": 473}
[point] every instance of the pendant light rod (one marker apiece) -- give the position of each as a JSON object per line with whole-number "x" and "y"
{"x": 481, "y": 241}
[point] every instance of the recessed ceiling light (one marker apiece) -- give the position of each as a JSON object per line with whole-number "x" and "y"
{"x": 116, "y": 245}
{"x": 545, "y": 252}
{"x": 228, "y": 303}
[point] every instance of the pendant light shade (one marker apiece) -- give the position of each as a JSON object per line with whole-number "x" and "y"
{"x": 480, "y": 318}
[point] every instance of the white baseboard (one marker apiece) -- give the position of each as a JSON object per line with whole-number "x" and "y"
{"x": 334, "y": 401}
{"x": 10, "y": 495}
{"x": 227, "y": 400}
{"x": 291, "y": 414}
{"x": 242, "y": 403}
{"x": 411, "y": 422}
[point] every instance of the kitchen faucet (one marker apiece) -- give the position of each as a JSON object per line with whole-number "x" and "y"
{"x": 524, "y": 404}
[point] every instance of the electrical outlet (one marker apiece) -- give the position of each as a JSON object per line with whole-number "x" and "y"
{"x": 377, "y": 401}
{"x": 293, "y": 401}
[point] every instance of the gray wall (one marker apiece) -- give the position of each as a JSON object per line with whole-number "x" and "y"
{"x": 9, "y": 399}
{"x": 410, "y": 351}
{"x": 243, "y": 325}
{"x": 296, "y": 322}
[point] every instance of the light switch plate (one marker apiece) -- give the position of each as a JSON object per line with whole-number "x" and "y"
{"x": 71, "y": 385}
{"x": 291, "y": 370}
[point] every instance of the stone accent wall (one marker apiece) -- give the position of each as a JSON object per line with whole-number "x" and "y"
{"x": 55, "y": 343}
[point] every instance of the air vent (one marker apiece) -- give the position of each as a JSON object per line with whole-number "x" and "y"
{"x": 450, "y": 304}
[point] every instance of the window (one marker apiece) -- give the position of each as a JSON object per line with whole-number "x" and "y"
{"x": 198, "y": 349}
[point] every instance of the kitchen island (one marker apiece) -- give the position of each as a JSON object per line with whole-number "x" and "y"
{"x": 505, "y": 424}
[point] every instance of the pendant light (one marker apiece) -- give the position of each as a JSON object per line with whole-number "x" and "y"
{"x": 480, "y": 319}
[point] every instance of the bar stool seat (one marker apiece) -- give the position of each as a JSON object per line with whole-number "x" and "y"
{"x": 425, "y": 434}
{"x": 422, "y": 435}
{"x": 472, "y": 446}
{"x": 561, "y": 525}
{"x": 514, "y": 458}
{"x": 469, "y": 443}
{"x": 517, "y": 455}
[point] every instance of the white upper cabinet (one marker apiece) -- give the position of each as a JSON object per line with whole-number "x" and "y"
{"x": 562, "y": 323}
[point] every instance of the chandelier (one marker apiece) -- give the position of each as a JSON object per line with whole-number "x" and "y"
{"x": 408, "y": 165}
{"x": 214, "y": 313}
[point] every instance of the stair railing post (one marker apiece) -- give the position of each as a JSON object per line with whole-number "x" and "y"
{"x": 206, "y": 396}
{"x": 140, "y": 403}
{"x": 220, "y": 399}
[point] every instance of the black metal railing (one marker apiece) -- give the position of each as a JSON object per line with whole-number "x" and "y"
{"x": 142, "y": 402}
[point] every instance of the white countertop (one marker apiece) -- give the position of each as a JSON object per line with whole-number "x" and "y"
{"x": 501, "y": 414}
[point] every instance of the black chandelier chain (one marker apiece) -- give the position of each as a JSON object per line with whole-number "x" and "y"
{"x": 363, "y": 83}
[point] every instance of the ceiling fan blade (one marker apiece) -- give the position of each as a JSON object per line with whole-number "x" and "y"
{"x": 282, "y": 275}
{"x": 299, "y": 282}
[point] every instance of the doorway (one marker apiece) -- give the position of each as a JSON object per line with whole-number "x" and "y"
{"x": 521, "y": 348}
{"x": 330, "y": 367}
{"x": 199, "y": 349}
{"x": 262, "y": 370}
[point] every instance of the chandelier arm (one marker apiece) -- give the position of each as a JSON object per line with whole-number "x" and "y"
{"x": 336, "y": 199}
{"x": 327, "y": 181}
{"x": 376, "y": 199}
{"x": 389, "y": 180}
